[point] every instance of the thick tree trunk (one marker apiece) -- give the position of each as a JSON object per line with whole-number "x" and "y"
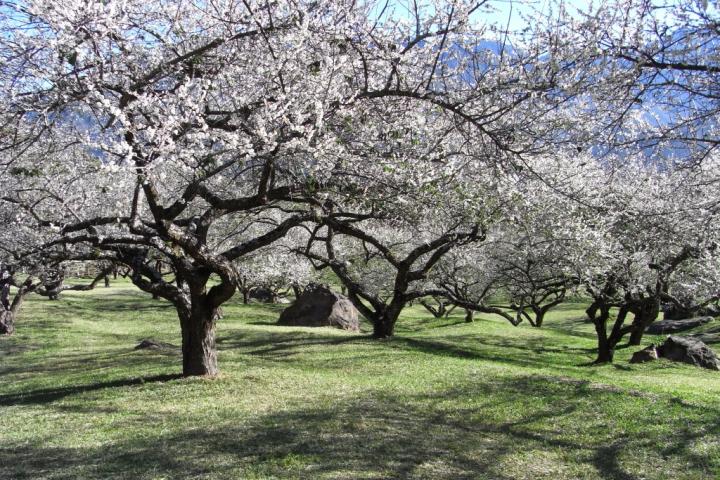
{"x": 7, "y": 322}
{"x": 539, "y": 317}
{"x": 107, "y": 281}
{"x": 469, "y": 316}
{"x": 599, "y": 315}
{"x": 643, "y": 318}
{"x": 9, "y": 315}
{"x": 605, "y": 351}
{"x": 636, "y": 334}
{"x": 297, "y": 291}
{"x": 198, "y": 341}
{"x": 384, "y": 323}
{"x": 5, "y": 296}
{"x": 382, "y": 328}
{"x": 246, "y": 296}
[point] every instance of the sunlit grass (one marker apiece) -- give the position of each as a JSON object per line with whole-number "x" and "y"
{"x": 443, "y": 399}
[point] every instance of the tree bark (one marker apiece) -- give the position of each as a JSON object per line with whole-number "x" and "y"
{"x": 599, "y": 315}
{"x": 382, "y": 328}
{"x": 469, "y": 316}
{"x": 5, "y": 296}
{"x": 198, "y": 340}
{"x": 9, "y": 315}
{"x": 384, "y": 323}
{"x": 7, "y": 322}
{"x": 606, "y": 350}
{"x": 646, "y": 315}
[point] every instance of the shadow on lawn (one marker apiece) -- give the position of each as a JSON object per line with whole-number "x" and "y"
{"x": 287, "y": 346}
{"x": 48, "y": 395}
{"x": 444, "y": 434}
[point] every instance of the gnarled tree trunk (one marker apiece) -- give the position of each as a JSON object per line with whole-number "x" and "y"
{"x": 539, "y": 316}
{"x": 9, "y": 315}
{"x": 599, "y": 315}
{"x": 644, "y": 316}
{"x": 7, "y": 322}
{"x": 384, "y": 322}
{"x": 198, "y": 339}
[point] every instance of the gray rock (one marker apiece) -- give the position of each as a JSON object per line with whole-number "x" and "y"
{"x": 689, "y": 350}
{"x": 153, "y": 345}
{"x": 647, "y": 354}
{"x": 710, "y": 336}
{"x": 262, "y": 295}
{"x": 672, "y": 326}
{"x": 672, "y": 312}
{"x": 318, "y": 306}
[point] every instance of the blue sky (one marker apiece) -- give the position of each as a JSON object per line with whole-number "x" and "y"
{"x": 500, "y": 12}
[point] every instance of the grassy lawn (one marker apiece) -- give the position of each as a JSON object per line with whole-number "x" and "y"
{"x": 443, "y": 399}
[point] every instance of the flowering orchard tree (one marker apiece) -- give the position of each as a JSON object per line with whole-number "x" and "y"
{"x": 383, "y": 267}
{"x": 651, "y": 74}
{"x": 179, "y": 121}
{"x": 469, "y": 277}
{"x": 386, "y": 254}
{"x": 534, "y": 251}
{"x": 275, "y": 268}
{"x": 634, "y": 228}
{"x": 695, "y": 289}
{"x": 30, "y": 273}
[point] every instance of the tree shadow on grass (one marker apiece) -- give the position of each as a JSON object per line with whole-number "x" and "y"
{"x": 48, "y": 395}
{"x": 285, "y": 343}
{"x": 522, "y": 352}
{"x": 459, "y": 433}
{"x": 87, "y": 362}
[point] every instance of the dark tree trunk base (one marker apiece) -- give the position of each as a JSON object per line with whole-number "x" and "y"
{"x": 198, "y": 347}
{"x": 604, "y": 357}
{"x": 382, "y": 330}
{"x": 7, "y": 322}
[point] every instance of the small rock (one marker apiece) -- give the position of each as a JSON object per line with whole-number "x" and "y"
{"x": 672, "y": 326}
{"x": 689, "y": 350}
{"x": 153, "y": 345}
{"x": 647, "y": 354}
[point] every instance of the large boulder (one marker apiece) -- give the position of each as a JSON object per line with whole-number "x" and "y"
{"x": 318, "y": 306}
{"x": 689, "y": 350}
{"x": 672, "y": 312}
{"x": 672, "y": 326}
{"x": 709, "y": 336}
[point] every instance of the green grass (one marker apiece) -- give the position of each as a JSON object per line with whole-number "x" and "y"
{"x": 442, "y": 400}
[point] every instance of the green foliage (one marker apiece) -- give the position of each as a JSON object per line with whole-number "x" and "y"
{"x": 443, "y": 399}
